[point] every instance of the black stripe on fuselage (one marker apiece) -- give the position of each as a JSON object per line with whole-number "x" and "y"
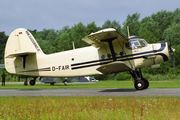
{"x": 106, "y": 61}
{"x": 37, "y": 70}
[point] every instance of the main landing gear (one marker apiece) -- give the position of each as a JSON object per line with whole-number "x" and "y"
{"x": 32, "y": 82}
{"x": 140, "y": 83}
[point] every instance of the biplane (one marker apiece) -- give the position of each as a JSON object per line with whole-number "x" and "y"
{"x": 110, "y": 52}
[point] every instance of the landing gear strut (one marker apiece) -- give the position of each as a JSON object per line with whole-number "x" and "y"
{"x": 32, "y": 82}
{"x": 140, "y": 83}
{"x": 25, "y": 82}
{"x": 65, "y": 82}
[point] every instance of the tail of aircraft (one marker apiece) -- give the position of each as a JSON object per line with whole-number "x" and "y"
{"x": 19, "y": 46}
{"x": 21, "y": 42}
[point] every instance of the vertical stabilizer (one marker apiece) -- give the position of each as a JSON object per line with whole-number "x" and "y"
{"x": 21, "y": 40}
{"x": 21, "y": 52}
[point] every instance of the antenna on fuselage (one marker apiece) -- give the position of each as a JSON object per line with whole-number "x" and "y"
{"x": 128, "y": 31}
{"x": 73, "y": 45}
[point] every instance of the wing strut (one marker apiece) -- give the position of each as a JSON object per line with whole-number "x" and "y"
{"x": 111, "y": 46}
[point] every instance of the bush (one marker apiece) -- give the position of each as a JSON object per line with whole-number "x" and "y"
{"x": 123, "y": 76}
{"x": 114, "y": 76}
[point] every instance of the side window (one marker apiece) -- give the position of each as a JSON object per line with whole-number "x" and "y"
{"x": 132, "y": 45}
{"x": 142, "y": 43}
{"x": 136, "y": 43}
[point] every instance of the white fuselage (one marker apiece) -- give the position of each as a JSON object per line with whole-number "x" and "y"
{"x": 23, "y": 56}
{"x": 85, "y": 61}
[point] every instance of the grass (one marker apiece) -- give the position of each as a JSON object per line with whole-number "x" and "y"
{"x": 94, "y": 108}
{"x": 101, "y": 84}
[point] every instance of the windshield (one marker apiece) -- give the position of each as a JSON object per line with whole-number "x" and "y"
{"x": 136, "y": 43}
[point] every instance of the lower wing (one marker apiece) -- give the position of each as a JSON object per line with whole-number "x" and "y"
{"x": 114, "y": 67}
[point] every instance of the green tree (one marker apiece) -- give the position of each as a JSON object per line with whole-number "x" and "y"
{"x": 112, "y": 24}
{"x": 133, "y": 22}
{"x": 46, "y": 46}
{"x": 91, "y": 28}
{"x": 52, "y": 34}
{"x": 155, "y": 24}
{"x": 3, "y": 39}
{"x": 43, "y": 34}
{"x": 64, "y": 42}
{"x": 172, "y": 30}
{"x": 176, "y": 15}
{"x": 78, "y": 31}
{"x": 162, "y": 20}
{"x": 148, "y": 30}
{"x": 173, "y": 33}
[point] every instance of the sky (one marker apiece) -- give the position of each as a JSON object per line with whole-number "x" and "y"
{"x": 56, "y": 14}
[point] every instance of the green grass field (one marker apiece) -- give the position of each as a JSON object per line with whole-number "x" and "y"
{"x": 94, "y": 108}
{"x": 89, "y": 108}
{"x": 101, "y": 84}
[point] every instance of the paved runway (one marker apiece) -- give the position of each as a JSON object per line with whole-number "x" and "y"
{"x": 92, "y": 92}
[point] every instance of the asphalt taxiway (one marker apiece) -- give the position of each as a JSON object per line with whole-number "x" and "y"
{"x": 91, "y": 92}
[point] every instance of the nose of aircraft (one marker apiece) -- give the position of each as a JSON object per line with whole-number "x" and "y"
{"x": 172, "y": 50}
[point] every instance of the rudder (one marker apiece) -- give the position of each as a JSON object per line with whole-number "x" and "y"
{"x": 21, "y": 40}
{"x": 21, "y": 51}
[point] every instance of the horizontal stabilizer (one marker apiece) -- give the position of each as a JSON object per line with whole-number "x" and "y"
{"x": 19, "y": 54}
{"x": 114, "y": 67}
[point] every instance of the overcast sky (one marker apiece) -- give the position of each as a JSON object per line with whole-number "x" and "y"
{"x": 40, "y": 14}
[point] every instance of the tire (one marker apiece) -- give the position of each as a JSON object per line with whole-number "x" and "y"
{"x": 146, "y": 83}
{"x": 51, "y": 83}
{"x": 139, "y": 84}
{"x": 32, "y": 82}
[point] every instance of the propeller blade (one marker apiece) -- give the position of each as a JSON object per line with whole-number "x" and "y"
{"x": 172, "y": 58}
{"x": 169, "y": 41}
{"x": 172, "y": 53}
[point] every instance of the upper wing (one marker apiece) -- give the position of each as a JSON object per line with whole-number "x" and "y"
{"x": 95, "y": 39}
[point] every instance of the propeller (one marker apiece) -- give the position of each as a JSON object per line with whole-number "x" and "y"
{"x": 172, "y": 52}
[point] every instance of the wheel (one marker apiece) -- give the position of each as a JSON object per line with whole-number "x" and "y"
{"x": 32, "y": 82}
{"x": 146, "y": 83}
{"x": 139, "y": 84}
{"x": 51, "y": 83}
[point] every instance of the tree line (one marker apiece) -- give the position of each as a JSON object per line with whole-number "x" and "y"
{"x": 157, "y": 27}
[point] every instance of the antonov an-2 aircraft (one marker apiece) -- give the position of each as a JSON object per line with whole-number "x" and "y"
{"x": 110, "y": 52}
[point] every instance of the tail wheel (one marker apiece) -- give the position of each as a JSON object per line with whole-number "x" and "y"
{"x": 146, "y": 83}
{"x": 51, "y": 83}
{"x": 32, "y": 82}
{"x": 139, "y": 84}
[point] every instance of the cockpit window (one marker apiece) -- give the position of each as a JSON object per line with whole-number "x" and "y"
{"x": 143, "y": 42}
{"x": 136, "y": 43}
